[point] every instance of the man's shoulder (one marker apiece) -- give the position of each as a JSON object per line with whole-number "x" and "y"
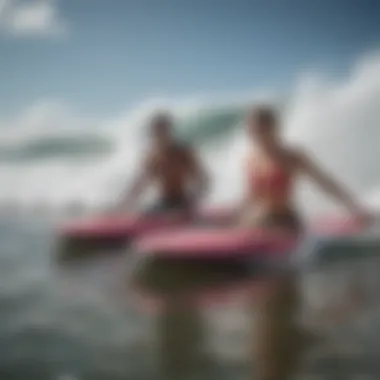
{"x": 178, "y": 150}
{"x": 183, "y": 149}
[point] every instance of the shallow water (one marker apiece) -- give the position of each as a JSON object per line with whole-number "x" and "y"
{"x": 79, "y": 319}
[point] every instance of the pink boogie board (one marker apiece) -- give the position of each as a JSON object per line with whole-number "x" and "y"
{"x": 217, "y": 245}
{"x": 221, "y": 243}
{"x": 126, "y": 227}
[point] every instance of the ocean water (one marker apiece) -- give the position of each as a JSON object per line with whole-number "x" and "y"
{"x": 79, "y": 319}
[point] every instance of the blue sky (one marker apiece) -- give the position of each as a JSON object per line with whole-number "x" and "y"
{"x": 102, "y": 56}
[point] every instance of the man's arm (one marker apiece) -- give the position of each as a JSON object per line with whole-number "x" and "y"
{"x": 139, "y": 184}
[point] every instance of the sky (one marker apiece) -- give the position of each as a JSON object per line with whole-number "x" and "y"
{"x": 103, "y": 56}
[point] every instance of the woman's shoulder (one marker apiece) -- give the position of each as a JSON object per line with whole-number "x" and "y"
{"x": 293, "y": 150}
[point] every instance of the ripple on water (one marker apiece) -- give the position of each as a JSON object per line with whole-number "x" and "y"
{"x": 70, "y": 323}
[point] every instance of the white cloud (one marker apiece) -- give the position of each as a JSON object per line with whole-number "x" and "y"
{"x": 34, "y": 18}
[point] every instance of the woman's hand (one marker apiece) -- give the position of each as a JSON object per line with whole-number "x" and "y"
{"x": 365, "y": 217}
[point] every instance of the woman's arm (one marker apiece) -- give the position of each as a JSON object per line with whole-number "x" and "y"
{"x": 329, "y": 184}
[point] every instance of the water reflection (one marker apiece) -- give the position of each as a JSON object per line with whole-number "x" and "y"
{"x": 184, "y": 319}
{"x": 180, "y": 289}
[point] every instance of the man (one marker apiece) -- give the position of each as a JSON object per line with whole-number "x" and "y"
{"x": 172, "y": 167}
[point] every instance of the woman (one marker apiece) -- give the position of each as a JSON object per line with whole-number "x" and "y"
{"x": 272, "y": 169}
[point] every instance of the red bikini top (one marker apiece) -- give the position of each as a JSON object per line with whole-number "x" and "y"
{"x": 275, "y": 181}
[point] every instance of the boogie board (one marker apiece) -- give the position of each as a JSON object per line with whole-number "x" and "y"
{"x": 228, "y": 243}
{"x": 216, "y": 265}
{"x": 115, "y": 230}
